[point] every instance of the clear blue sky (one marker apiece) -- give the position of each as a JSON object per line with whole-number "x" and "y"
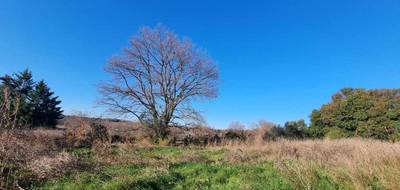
{"x": 278, "y": 60}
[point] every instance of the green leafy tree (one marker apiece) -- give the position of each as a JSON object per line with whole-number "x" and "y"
{"x": 359, "y": 112}
{"x": 46, "y": 110}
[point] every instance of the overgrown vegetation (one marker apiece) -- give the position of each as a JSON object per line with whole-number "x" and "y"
{"x": 284, "y": 164}
{"x": 83, "y": 158}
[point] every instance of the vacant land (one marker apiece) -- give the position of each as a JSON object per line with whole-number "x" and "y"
{"x": 283, "y": 164}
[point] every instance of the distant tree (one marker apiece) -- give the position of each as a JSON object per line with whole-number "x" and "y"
{"x": 46, "y": 110}
{"x": 295, "y": 129}
{"x": 267, "y": 131}
{"x": 359, "y": 112}
{"x": 236, "y": 131}
{"x": 157, "y": 77}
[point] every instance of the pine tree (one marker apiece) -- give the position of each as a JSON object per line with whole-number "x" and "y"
{"x": 23, "y": 85}
{"x": 35, "y": 104}
{"x": 20, "y": 87}
{"x": 46, "y": 111}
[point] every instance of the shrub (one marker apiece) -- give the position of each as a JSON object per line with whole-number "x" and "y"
{"x": 295, "y": 129}
{"x": 337, "y": 133}
{"x": 274, "y": 133}
{"x": 17, "y": 149}
{"x": 85, "y": 134}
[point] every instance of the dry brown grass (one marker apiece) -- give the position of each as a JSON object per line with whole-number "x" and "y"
{"x": 29, "y": 157}
{"x": 351, "y": 163}
{"x": 357, "y": 163}
{"x": 56, "y": 165}
{"x": 17, "y": 149}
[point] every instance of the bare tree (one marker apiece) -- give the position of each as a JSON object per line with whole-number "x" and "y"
{"x": 9, "y": 108}
{"x": 157, "y": 77}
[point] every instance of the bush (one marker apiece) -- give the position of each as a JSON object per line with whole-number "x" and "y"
{"x": 85, "y": 134}
{"x": 274, "y": 133}
{"x": 337, "y": 133}
{"x": 295, "y": 129}
{"x": 18, "y": 148}
{"x": 235, "y": 135}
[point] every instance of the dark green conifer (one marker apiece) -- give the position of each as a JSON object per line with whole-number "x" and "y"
{"x": 46, "y": 110}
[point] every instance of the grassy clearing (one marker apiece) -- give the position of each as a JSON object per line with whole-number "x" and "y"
{"x": 209, "y": 173}
{"x": 339, "y": 164}
{"x": 181, "y": 176}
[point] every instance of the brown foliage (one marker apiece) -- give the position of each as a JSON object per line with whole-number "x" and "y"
{"x": 17, "y": 149}
{"x": 29, "y": 157}
{"x": 52, "y": 166}
{"x": 85, "y": 134}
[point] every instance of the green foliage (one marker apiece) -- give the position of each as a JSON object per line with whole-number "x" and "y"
{"x": 180, "y": 176}
{"x": 323, "y": 180}
{"x": 36, "y": 103}
{"x": 291, "y": 130}
{"x": 274, "y": 133}
{"x": 45, "y": 106}
{"x": 337, "y": 133}
{"x": 359, "y": 112}
{"x": 19, "y": 88}
{"x": 295, "y": 129}
{"x": 196, "y": 168}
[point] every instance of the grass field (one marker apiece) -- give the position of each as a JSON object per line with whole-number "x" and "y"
{"x": 310, "y": 164}
{"x": 174, "y": 168}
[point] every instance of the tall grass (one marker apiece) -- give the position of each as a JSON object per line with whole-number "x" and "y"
{"x": 33, "y": 160}
{"x": 348, "y": 163}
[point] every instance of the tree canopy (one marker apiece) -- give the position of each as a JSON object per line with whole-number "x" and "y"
{"x": 359, "y": 112}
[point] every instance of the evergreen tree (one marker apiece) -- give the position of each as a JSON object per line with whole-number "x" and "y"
{"x": 36, "y": 104}
{"x": 24, "y": 83}
{"x": 23, "y": 86}
{"x": 20, "y": 87}
{"x": 46, "y": 110}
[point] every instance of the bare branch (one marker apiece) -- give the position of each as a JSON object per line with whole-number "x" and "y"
{"x": 156, "y": 75}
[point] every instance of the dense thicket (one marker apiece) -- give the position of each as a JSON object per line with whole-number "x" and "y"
{"x": 23, "y": 102}
{"x": 359, "y": 112}
{"x": 290, "y": 130}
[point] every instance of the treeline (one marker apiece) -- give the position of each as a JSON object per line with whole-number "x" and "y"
{"x": 26, "y": 103}
{"x": 350, "y": 113}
